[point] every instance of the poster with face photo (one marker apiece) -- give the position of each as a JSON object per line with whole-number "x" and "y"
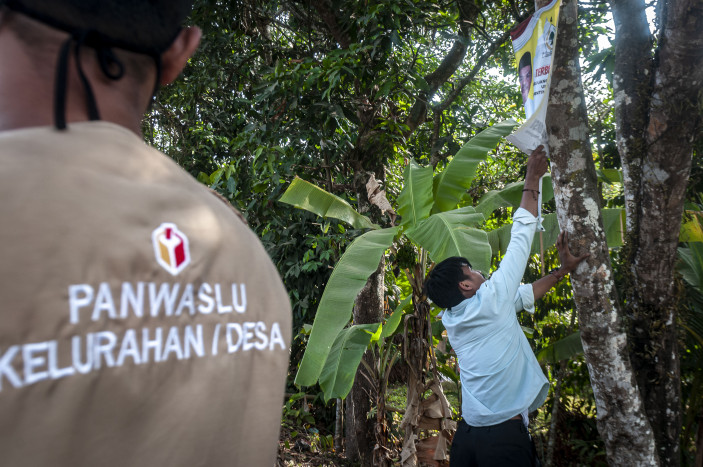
{"x": 533, "y": 43}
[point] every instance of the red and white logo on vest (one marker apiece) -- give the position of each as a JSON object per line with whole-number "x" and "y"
{"x": 171, "y": 248}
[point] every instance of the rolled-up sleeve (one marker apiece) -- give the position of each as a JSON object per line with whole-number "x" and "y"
{"x": 525, "y": 299}
{"x": 508, "y": 276}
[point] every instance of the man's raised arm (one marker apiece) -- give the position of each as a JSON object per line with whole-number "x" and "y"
{"x": 512, "y": 267}
{"x": 536, "y": 167}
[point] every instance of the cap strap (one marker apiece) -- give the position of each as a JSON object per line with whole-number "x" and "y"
{"x": 110, "y": 65}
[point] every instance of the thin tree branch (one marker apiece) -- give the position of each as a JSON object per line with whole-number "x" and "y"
{"x": 451, "y": 97}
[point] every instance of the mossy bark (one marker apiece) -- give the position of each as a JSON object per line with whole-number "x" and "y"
{"x": 657, "y": 105}
{"x": 622, "y": 422}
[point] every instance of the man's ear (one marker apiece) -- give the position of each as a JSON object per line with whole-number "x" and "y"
{"x": 176, "y": 56}
{"x": 465, "y": 286}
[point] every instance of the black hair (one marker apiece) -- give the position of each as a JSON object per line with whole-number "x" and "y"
{"x": 442, "y": 283}
{"x": 143, "y": 26}
{"x": 525, "y": 60}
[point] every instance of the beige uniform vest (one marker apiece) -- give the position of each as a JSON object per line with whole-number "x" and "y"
{"x": 141, "y": 321}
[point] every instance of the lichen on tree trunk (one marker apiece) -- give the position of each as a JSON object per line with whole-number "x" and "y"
{"x": 622, "y": 422}
{"x": 657, "y": 108}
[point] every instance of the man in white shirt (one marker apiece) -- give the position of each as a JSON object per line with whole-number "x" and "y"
{"x": 501, "y": 379}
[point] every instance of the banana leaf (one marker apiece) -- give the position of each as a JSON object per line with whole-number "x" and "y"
{"x": 451, "y": 234}
{"x": 455, "y": 179}
{"x": 394, "y": 319}
{"x": 691, "y": 229}
{"x": 612, "y": 218}
{"x": 499, "y": 238}
{"x": 338, "y": 374}
{"x": 609, "y": 176}
{"x": 563, "y": 349}
{"x": 305, "y": 195}
{"x": 358, "y": 262}
{"x": 510, "y": 196}
{"x": 614, "y": 225}
{"x": 690, "y": 265}
{"x": 415, "y": 200}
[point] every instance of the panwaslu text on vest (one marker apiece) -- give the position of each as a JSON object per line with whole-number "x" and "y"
{"x": 29, "y": 363}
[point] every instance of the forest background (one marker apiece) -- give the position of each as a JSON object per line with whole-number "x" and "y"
{"x": 339, "y": 92}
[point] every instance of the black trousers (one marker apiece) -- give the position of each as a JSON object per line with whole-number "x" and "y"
{"x": 506, "y": 444}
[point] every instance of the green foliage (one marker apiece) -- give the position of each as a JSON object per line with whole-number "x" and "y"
{"x": 452, "y": 233}
{"x": 338, "y": 373}
{"x": 415, "y": 200}
{"x": 276, "y": 93}
{"x": 295, "y": 412}
{"x": 690, "y": 266}
{"x": 453, "y": 182}
{"x": 349, "y": 276}
{"x": 442, "y": 234}
{"x": 562, "y": 349}
{"x": 511, "y": 196}
{"x": 305, "y": 195}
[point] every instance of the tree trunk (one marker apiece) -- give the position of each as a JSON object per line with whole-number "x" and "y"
{"x": 622, "y": 422}
{"x": 381, "y": 457}
{"x": 632, "y": 79}
{"x": 359, "y": 428}
{"x": 658, "y": 119}
{"x": 560, "y": 371}
{"x": 415, "y": 349}
{"x": 339, "y": 426}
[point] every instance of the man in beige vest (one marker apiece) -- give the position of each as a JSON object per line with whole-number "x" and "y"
{"x": 141, "y": 321}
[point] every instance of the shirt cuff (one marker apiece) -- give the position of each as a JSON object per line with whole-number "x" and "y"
{"x": 528, "y": 298}
{"x": 524, "y": 216}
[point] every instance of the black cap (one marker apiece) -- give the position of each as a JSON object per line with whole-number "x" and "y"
{"x": 147, "y": 26}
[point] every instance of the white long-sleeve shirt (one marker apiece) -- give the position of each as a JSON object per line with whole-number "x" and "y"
{"x": 500, "y": 376}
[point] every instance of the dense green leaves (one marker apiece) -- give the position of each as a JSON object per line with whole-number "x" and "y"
{"x": 510, "y": 196}
{"x": 563, "y": 349}
{"x": 448, "y": 234}
{"x": 394, "y": 320}
{"x": 691, "y": 265}
{"x": 338, "y": 373}
{"x": 499, "y": 238}
{"x": 349, "y": 276}
{"x": 443, "y": 234}
{"x": 614, "y": 225}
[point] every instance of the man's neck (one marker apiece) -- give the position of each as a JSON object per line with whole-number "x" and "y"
{"x": 20, "y": 108}
{"x": 27, "y": 90}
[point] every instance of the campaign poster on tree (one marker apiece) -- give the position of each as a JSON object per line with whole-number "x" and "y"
{"x": 533, "y": 43}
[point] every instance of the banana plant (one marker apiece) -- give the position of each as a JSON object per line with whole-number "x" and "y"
{"x": 430, "y": 218}
{"x": 349, "y": 346}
